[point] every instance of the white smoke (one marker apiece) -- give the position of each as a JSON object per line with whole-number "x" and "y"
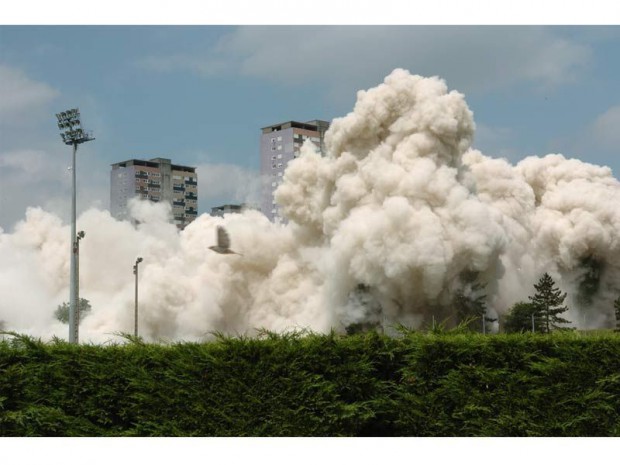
{"x": 382, "y": 229}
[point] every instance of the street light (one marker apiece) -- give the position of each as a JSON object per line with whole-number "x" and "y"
{"x": 80, "y": 236}
{"x": 72, "y": 134}
{"x": 135, "y": 272}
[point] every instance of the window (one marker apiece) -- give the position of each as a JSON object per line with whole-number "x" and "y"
{"x": 280, "y": 173}
{"x": 279, "y": 147}
{"x": 273, "y": 166}
{"x": 273, "y": 157}
{"x": 280, "y": 155}
{"x": 280, "y": 165}
{"x": 273, "y": 149}
{"x": 273, "y": 139}
{"x": 274, "y": 184}
{"x": 279, "y": 138}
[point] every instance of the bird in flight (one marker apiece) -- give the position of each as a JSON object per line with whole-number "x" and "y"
{"x": 223, "y": 242}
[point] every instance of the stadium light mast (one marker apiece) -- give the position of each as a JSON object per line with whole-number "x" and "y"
{"x": 72, "y": 134}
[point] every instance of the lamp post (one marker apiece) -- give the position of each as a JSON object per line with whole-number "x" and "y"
{"x": 135, "y": 272}
{"x": 79, "y": 236}
{"x": 73, "y": 134}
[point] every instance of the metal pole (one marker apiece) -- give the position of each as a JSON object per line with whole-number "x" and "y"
{"x": 135, "y": 272}
{"x": 78, "y": 305}
{"x": 77, "y": 291}
{"x": 135, "y": 331}
{"x": 73, "y": 331}
{"x": 533, "y": 330}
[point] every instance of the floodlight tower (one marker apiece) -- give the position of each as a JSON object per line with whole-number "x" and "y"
{"x": 72, "y": 134}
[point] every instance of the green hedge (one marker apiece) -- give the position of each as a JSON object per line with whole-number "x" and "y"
{"x": 315, "y": 385}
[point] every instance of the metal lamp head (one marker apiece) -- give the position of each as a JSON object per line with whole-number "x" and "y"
{"x": 70, "y": 123}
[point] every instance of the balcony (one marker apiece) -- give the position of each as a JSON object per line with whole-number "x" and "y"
{"x": 191, "y": 196}
{"x": 191, "y": 183}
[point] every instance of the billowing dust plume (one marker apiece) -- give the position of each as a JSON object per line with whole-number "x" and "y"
{"x": 384, "y": 229}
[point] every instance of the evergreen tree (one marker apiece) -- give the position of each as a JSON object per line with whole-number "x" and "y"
{"x": 519, "y": 318}
{"x": 62, "y": 311}
{"x": 548, "y": 301}
{"x": 617, "y": 312}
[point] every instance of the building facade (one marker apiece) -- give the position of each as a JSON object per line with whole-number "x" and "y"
{"x": 157, "y": 180}
{"x": 279, "y": 144}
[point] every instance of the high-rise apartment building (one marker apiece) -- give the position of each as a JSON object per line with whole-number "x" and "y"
{"x": 279, "y": 144}
{"x": 156, "y": 180}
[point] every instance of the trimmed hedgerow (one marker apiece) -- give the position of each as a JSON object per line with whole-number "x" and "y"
{"x": 315, "y": 385}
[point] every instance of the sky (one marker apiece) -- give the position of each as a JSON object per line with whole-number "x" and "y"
{"x": 200, "y": 94}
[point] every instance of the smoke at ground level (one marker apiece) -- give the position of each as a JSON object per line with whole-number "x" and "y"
{"x": 398, "y": 219}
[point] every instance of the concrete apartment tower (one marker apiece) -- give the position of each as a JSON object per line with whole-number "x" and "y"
{"x": 155, "y": 180}
{"x": 279, "y": 144}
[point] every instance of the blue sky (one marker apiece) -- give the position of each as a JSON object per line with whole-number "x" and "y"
{"x": 200, "y": 94}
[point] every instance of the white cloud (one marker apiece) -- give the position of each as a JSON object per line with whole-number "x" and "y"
{"x": 30, "y": 178}
{"x": 598, "y": 140}
{"x": 33, "y": 168}
{"x": 469, "y": 58}
{"x": 604, "y": 131}
{"x": 21, "y": 96}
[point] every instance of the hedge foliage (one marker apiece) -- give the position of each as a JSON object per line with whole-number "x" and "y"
{"x": 315, "y": 385}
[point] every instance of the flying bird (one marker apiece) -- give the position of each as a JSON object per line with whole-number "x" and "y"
{"x": 223, "y": 242}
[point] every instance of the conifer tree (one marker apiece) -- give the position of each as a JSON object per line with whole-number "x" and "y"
{"x": 548, "y": 301}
